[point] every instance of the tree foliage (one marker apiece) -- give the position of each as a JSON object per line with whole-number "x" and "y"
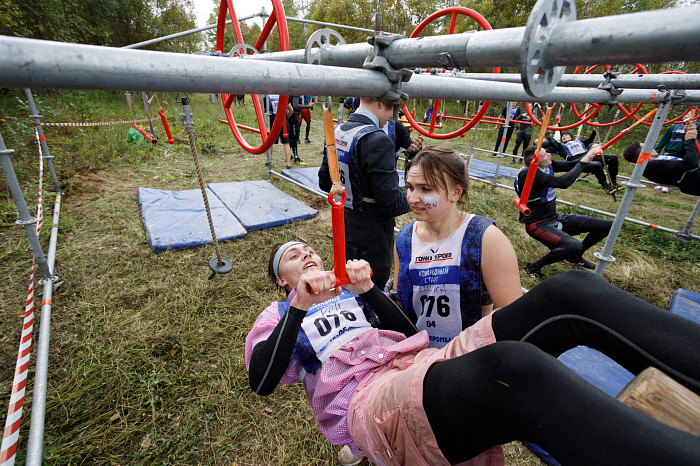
{"x": 113, "y": 23}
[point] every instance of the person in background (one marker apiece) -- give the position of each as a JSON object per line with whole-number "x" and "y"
{"x": 574, "y": 149}
{"x": 368, "y": 174}
{"x": 514, "y": 111}
{"x": 306, "y": 115}
{"x": 548, "y": 227}
{"x": 679, "y": 170}
{"x": 524, "y": 133}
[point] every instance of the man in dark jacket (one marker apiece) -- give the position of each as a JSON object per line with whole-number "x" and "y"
{"x": 368, "y": 174}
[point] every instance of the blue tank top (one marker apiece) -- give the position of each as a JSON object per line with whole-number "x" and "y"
{"x": 329, "y": 325}
{"x": 440, "y": 283}
{"x": 348, "y": 164}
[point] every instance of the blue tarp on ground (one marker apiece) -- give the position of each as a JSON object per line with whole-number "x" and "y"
{"x": 485, "y": 169}
{"x": 308, "y": 176}
{"x": 258, "y": 204}
{"x": 177, "y": 219}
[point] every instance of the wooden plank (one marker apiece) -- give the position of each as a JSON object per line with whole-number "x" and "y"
{"x": 657, "y": 395}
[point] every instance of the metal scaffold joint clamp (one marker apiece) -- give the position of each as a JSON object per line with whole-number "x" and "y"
{"x": 377, "y": 61}
{"x": 537, "y": 77}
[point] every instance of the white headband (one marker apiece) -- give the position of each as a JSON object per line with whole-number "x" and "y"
{"x": 278, "y": 256}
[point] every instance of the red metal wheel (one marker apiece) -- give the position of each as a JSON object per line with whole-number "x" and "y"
{"x": 592, "y": 109}
{"x": 277, "y": 17}
{"x": 679, "y": 117}
{"x": 454, "y": 11}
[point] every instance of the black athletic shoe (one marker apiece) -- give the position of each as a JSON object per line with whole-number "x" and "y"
{"x": 609, "y": 189}
{"x": 289, "y": 167}
{"x": 533, "y": 271}
{"x": 617, "y": 187}
{"x": 583, "y": 263}
{"x": 307, "y": 141}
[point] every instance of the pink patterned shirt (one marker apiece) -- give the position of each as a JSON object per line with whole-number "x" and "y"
{"x": 330, "y": 390}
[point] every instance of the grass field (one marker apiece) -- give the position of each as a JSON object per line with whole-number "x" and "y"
{"x": 146, "y": 360}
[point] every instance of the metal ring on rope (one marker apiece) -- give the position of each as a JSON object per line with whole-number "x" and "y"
{"x": 537, "y": 78}
{"x": 321, "y": 39}
{"x": 454, "y": 11}
{"x": 277, "y": 17}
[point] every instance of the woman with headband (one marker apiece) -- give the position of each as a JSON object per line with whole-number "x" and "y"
{"x": 374, "y": 384}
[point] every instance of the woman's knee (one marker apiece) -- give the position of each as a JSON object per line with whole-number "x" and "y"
{"x": 571, "y": 284}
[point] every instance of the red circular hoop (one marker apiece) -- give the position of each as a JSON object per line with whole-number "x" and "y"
{"x": 592, "y": 109}
{"x": 277, "y": 17}
{"x": 454, "y": 11}
{"x": 678, "y": 118}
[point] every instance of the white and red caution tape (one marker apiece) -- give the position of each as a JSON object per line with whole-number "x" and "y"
{"x": 101, "y": 123}
{"x": 10, "y": 437}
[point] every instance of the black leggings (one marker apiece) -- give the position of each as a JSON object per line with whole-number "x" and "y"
{"x": 557, "y": 234}
{"x": 513, "y": 390}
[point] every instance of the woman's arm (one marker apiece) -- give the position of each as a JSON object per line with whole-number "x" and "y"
{"x": 499, "y": 267}
{"x": 270, "y": 358}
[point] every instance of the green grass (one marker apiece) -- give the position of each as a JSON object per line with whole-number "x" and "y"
{"x": 146, "y": 359}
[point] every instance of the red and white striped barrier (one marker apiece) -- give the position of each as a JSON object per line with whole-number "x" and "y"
{"x": 102, "y": 123}
{"x": 10, "y": 437}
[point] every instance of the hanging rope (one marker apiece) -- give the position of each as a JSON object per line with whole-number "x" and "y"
{"x": 217, "y": 264}
{"x": 337, "y": 207}
{"x": 521, "y": 203}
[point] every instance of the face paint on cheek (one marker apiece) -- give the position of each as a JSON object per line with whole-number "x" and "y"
{"x": 431, "y": 202}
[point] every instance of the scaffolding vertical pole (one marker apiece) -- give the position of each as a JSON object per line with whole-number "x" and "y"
{"x": 25, "y": 220}
{"x": 501, "y": 147}
{"x": 684, "y": 234}
{"x": 633, "y": 184}
{"x": 35, "y": 443}
{"x": 48, "y": 158}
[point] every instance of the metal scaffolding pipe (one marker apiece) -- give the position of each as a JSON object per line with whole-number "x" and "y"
{"x": 649, "y": 37}
{"x": 188, "y": 32}
{"x": 35, "y": 443}
{"x": 26, "y": 219}
{"x": 623, "y": 81}
{"x": 605, "y": 255}
{"x": 48, "y": 158}
{"x": 57, "y": 65}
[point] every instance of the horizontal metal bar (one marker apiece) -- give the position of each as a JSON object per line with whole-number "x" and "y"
{"x": 185, "y": 33}
{"x": 649, "y": 37}
{"x": 56, "y": 65}
{"x": 331, "y": 25}
{"x": 623, "y": 81}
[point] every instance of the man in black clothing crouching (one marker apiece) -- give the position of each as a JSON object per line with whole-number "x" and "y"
{"x": 545, "y": 225}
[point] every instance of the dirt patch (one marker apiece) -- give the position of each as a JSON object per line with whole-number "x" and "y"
{"x": 88, "y": 186}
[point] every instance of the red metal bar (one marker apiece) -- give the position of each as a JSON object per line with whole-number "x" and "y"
{"x": 525, "y": 195}
{"x": 145, "y": 134}
{"x": 165, "y": 125}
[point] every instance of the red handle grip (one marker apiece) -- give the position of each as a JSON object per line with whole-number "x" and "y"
{"x": 165, "y": 125}
{"x": 521, "y": 203}
{"x": 338, "y": 219}
{"x": 150, "y": 138}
